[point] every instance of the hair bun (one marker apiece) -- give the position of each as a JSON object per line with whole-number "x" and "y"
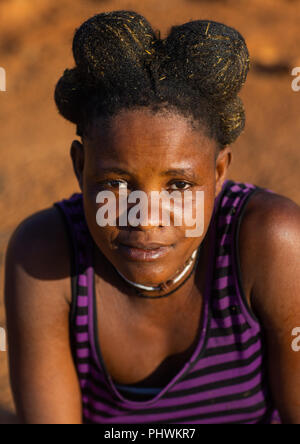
{"x": 69, "y": 94}
{"x": 120, "y": 63}
{"x": 210, "y": 56}
{"x": 118, "y": 40}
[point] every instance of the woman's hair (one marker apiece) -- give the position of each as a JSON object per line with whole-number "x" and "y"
{"x": 198, "y": 70}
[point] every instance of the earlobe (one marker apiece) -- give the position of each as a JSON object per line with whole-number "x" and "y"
{"x": 222, "y": 164}
{"x": 77, "y": 156}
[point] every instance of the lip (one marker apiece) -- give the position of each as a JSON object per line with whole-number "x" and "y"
{"x": 141, "y": 252}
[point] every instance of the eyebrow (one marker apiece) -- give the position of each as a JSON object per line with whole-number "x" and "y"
{"x": 174, "y": 172}
{"x": 114, "y": 170}
{"x": 180, "y": 172}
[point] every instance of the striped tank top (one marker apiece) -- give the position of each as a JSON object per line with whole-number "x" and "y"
{"x": 224, "y": 381}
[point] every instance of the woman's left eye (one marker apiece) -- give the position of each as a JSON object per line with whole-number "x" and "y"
{"x": 180, "y": 185}
{"x": 116, "y": 183}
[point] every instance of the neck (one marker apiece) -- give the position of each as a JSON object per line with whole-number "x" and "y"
{"x": 168, "y": 287}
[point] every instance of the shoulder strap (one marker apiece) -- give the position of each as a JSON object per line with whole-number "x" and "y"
{"x": 76, "y": 228}
{"x": 231, "y": 211}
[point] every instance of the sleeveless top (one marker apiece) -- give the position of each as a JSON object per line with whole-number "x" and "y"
{"x": 224, "y": 381}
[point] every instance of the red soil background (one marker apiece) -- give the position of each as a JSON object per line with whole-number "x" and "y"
{"x": 35, "y": 48}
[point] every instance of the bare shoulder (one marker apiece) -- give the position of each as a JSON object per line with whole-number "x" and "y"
{"x": 40, "y": 248}
{"x": 37, "y": 303}
{"x": 271, "y": 220}
{"x": 269, "y": 241}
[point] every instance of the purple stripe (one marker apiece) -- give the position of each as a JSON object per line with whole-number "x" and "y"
{"x": 223, "y": 282}
{"x": 244, "y": 387}
{"x": 228, "y": 357}
{"x": 153, "y": 417}
{"x": 220, "y": 376}
{"x": 221, "y": 341}
{"x": 224, "y": 220}
{"x": 236, "y": 187}
{"x": 229, "y": 202}
{"x": 82, "y": 301}
{"x": 224, "y": 302}
{"x": 83, "y": 353}
{"x": 223, "y": 261}
{"x": 82, "y": 337}
{"x": 233, "y": 320}
{"x": 84, "y": 368}
{"x": 104, "y": 394}
{"x": 82, "y": 280}
{"x": 225, "y": 240}
{"x": 82, "y": 320}
{"x": 231, "y": 418}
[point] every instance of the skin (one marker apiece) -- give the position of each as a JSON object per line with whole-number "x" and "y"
{"x": 159, "y": 334}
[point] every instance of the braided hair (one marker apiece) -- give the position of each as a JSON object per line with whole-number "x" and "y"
{"x": 197, "y": 70}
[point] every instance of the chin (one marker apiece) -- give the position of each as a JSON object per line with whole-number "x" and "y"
{"x": 148, "y": 273}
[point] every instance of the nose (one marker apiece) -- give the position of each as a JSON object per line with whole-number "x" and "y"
{"x": 149, "y": 210}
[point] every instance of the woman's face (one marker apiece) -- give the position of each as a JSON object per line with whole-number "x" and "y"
{"x": 142, "y": 151}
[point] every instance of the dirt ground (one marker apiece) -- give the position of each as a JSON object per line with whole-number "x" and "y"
{"x": 35, "y": 48}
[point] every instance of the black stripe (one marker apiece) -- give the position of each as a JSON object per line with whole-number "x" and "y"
{"x": 82, "y": 290}
{"x": 217, "y": 368}
{"x": 223, "y": 413}
{"x": 81, "y": 345}
{"x": 227, "y": 291}
{"x": 179, "y": 407}
{"x": 207, "y": 402}
{"x": 227, "y": 210}
{"x": 232, "y": 310}
{"x": 83, "y": 360}
{"x": 222, "y": 229}
{"x": 174, "y": 395}
{"x": 226, "y": 331}
{"x": 223, "y": 250}
{"x": 237, "y": 346}
{"x": 215, "y": 385}
{"x": 204, "y": 416}
{"x": 82, "y": 311}
{"x": 81, "y": 328}
{"x": 223, "y": 272}
{"x": 236, "y": 259}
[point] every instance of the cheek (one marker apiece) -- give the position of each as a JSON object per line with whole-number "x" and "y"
{"x": 103, "y": 236}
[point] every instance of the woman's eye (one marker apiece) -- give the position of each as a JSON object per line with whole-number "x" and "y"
{"x": 180, "y": 185}
{"x": 117, "y": 183}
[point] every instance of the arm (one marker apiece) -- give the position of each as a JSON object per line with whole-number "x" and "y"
{"x": 37, "y": 299}
{"x": 273, "y": 228}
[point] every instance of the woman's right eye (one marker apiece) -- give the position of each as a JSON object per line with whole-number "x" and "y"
{"x": 116, "y": 183}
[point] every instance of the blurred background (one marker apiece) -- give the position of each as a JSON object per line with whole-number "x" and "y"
{"x": 35, "y": 48}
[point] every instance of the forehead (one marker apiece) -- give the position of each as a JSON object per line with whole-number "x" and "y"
{"x": 142, "y": 136}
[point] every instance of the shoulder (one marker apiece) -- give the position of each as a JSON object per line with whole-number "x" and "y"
{"x": 270, "y": 220}
{"x": 38, "y": 250}
{"x": 269, "y": 243}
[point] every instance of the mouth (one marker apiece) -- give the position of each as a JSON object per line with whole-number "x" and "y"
{"x": 140, "y": 252}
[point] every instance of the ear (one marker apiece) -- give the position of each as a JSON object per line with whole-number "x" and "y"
{"x": 77, "y": 156}
{"x": 222, "y": 163}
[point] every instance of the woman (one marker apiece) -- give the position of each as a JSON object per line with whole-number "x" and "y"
{"x": 158, "y": 326}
